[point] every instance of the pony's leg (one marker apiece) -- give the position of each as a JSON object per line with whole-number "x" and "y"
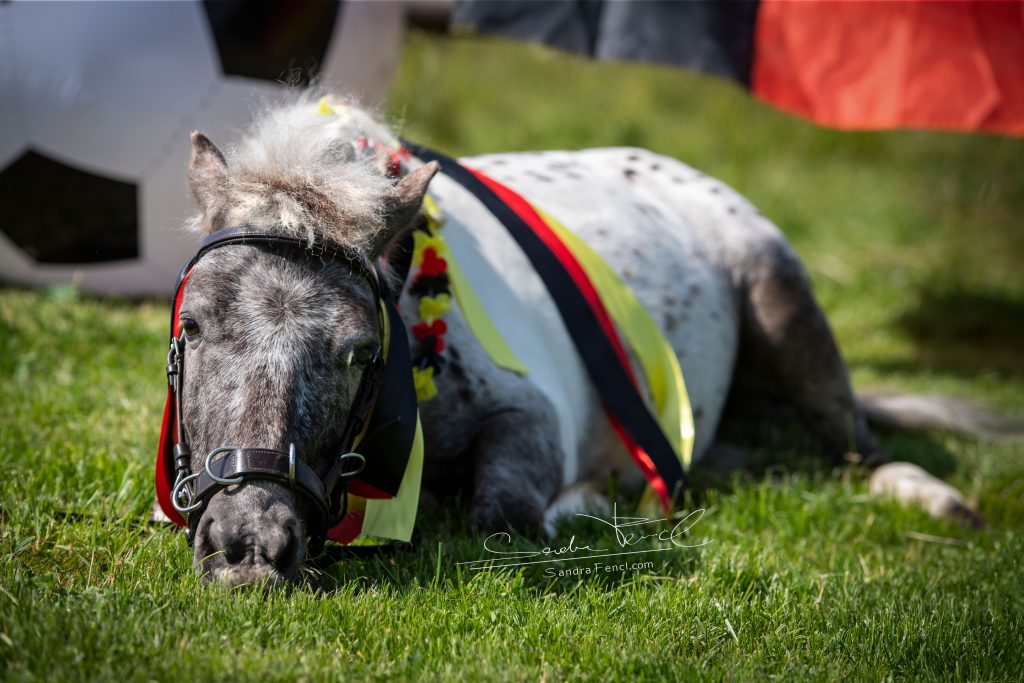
{"x": 587, "y": 497}
{"x": 724, "y": 459}
{"x": 787, "y": 335}
{"x": 785, "y": 328}
{"x": 909, "y": 483}
{"x": 517, "y": 470}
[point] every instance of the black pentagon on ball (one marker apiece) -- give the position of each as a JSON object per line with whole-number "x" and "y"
{"x": 275, "y": 40}
{"x": 60, "y": 214}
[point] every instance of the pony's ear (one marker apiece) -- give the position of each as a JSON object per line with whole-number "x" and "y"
{"x": 401, "y": 206}
{"x": 208, "y": 177}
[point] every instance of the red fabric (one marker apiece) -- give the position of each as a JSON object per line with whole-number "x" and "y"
{"x": 164, "y": 466}
{"x": 579, "y": 276}
{"x": 348, "y": 529}
{"x": 861, "y": 64}
{"x": 163, "y": 485}
{"x": 358, "y": 487}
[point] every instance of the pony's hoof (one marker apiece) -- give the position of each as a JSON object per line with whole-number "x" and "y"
{"x": 911, "y": 484}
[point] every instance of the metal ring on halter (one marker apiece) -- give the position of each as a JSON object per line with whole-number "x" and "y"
{"x": 178, "y": 490}
{"x": 291, "y": 465}
{"x": 362, "y": 463}
{"x": 221, "y": 480}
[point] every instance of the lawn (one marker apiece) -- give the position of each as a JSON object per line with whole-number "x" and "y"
{"x": 914, "y": 241}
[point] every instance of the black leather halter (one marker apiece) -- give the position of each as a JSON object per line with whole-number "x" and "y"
{"x": 225, "y": 466}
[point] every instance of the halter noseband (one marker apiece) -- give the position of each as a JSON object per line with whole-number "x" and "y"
{"x": 229, "y": 465}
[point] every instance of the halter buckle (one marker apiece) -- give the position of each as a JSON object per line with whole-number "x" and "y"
{"x": 174, "y": 363}
{"x": 181, "y": 497}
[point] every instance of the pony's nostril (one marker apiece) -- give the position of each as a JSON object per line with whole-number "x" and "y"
{"x": 234, "y": 552}
{"x": 229, "y": 541}
{"x": 285, "y": 556}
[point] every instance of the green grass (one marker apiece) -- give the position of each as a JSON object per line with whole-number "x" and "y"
{"x": 914, "y": 242}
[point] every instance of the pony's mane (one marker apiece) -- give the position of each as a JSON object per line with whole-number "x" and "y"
{"x": 296, "y": 172}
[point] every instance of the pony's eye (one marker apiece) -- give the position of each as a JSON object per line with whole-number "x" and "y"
{"x": 190, "y": 326}
{"x": 363, "y": 355}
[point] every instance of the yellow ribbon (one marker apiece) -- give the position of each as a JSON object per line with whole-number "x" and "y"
{"x": 479, "y": 323}
{"x": 435, "y": 219}
{"x": 396, "y": 517}
{"x": 658, "y": 360}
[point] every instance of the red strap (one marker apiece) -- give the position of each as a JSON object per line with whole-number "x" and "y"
{"x": 364, "y": 490}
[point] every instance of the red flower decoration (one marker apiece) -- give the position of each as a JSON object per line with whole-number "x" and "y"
{"x": 394, "y": 165}
{"x": 432, "y": 264}
{"x": 435, "y": 329}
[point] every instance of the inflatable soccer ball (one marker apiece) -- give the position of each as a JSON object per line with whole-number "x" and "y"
{"x": 97, "y": 101}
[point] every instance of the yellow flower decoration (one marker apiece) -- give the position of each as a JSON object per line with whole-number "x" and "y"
{"x": 423, "y": 379}
{"x": 433, "y": 307}
{"x": 435, "y": 219}
{"x": 421, "y": 241}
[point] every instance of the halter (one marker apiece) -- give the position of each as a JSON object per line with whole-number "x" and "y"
{"x": 324, "y": 491}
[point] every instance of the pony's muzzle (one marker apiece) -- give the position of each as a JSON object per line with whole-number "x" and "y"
{"x": 251, "y": 533}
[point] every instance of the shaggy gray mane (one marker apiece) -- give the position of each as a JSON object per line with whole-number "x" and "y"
{"x": 296, "y": 172}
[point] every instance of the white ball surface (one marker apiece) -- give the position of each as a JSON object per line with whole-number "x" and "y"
{"x": 113, "y": 90}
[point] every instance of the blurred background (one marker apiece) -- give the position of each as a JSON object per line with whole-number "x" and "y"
{"x": 823, "y": 114}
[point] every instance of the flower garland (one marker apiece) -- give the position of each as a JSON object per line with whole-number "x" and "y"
{"x": 430, "y": 282}
{"x": 433, "y": 287}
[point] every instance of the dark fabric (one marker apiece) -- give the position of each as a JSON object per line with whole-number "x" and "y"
{"x": 856, "y": 65}
{"x": 387, "y": 444}
{"x": 707, "y": 35}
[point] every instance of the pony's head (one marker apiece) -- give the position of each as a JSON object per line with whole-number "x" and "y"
{"x": 277, "y": 338}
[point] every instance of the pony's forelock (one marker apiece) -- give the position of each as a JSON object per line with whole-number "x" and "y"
{"x": 295, "y": 173}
